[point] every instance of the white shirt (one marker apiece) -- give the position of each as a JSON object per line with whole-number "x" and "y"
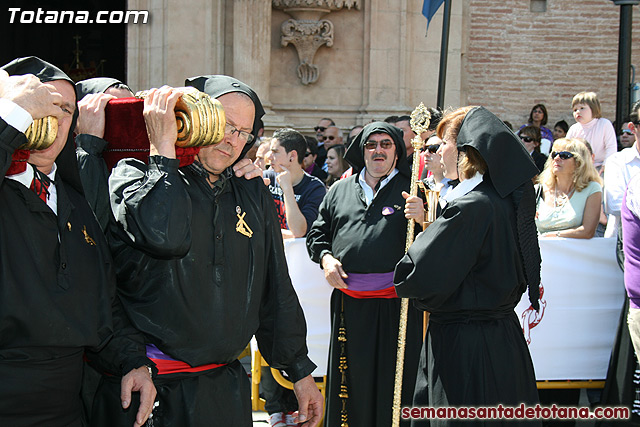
{"x": 15, "y": 115}
{"x": 618, "y": 171}
{"x": 368, "y": 191}
{"x": 461, "y": 189}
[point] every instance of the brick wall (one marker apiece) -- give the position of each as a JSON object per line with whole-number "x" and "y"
{"x": 516, "y": 58}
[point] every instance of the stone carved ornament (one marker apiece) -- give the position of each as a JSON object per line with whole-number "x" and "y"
{"x": 307, "y": 32}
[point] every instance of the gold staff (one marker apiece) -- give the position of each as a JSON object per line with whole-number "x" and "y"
{"x": 420, "y": 120}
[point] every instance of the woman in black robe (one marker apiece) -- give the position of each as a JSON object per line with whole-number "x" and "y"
{"x": 470, "y": 268}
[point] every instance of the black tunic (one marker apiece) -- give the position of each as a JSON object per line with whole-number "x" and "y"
{"x": 366, "y": 241}
{"x": 354, "y": 232}
{"x": 196, "y": 287}
{"x": 57, "y": 289}
{"x": 466, "y": 271}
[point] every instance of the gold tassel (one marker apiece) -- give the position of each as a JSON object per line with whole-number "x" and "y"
{"x": 342, "y": 365}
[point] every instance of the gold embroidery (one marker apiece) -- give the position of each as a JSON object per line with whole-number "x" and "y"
{"x": 241, "y": 225}
{"x": 69, "y": 226}
{"x": 87, "y": 238}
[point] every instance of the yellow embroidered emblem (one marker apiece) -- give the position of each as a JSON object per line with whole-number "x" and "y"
{"x": 241, "y": 226}
{"x": 87, "y": 238}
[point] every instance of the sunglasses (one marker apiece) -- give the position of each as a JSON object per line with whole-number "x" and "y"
{"x": 527, "y": 139}
{"x": 307, "y": 154}
{"x": 385, "y": 144}
{"x": 432, "y": 148}
{"x": 627, "y": 131}
{"x": 329, "y": 137}
{"x": 319, "y": 129}
{"x": 564, "y": 155}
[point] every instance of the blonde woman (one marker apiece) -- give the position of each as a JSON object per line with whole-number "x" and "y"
{"x": 570, "y": 192}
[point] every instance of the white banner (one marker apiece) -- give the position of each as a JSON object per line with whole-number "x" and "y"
{"x": 570, "y": 339}
{"x": 314, "y": 294}
{"x": 582, "y": 295}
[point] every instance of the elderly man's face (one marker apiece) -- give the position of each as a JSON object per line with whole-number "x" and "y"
{"x": 240, "y": 112}
{"x": 332, "y": 137}
{"x": 44, "y": 159}
{"x": 379, "y": 154}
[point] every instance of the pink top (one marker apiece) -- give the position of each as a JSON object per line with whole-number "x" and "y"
{"x": 600, "y": 134}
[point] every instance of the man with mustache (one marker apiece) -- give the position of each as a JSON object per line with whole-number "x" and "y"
{"x": 357, "y": 239}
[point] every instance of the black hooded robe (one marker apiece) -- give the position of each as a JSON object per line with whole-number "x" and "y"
{"x": 467, "y": 271}
{"x": 199, "y": 289}
{"x": 89, "y": 148}
{"x": 57, "y": 289}
{"x": 366, "y": 239}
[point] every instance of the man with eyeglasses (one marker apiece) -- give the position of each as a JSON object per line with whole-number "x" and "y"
{"x": 618, "y": 171}
{"x": 358, "y": 238}
{"x": 201, "y": 269}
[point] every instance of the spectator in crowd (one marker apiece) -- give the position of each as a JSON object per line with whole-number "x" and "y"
{"x": 57, "y": 284}
{"x": 618, "y": 171}
{"x": 626, "y": 138}
{"x": 93, "y": 95}
{"x": 332, "y": 136}
{"x": 309, "y": 162}
{"x": 404, "y": 123}
{"x": 560, "y": 129}
{"x": 353, "y": 132}
{"x": 569, "y": 192}
{"x": 592, "y": 127}
{"x": 433, "y": 176}
{"x": 322, "y": 126}
{"x": 357, "y": 239}
{"x": 436, "y": 116}
{"x": 297, "y": 194}
{"x": 474, "y": 353}
{"x": 530, "y": 138}
{"x": 261, "y": 160}
{"x": 538, "y": 117}
{"x": 336, "y": 164}
{"x": 630, "y": 212}
{"x": 602, "y": 222}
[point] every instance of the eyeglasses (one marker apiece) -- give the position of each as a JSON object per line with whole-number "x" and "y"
{"x": 319, "y": 129}
{"x": 385, "y": 144}
{"x": 564, "y": 155}
{"x": 245, "y": 136}
{"x": 432, "y": 148}
{"x": 527, "y": 139}
{"x": 329, "y": 137}
{"x": 627, "y": 131}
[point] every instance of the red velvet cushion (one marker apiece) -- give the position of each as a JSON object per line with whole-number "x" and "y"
{"x": 126, "y": 134}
